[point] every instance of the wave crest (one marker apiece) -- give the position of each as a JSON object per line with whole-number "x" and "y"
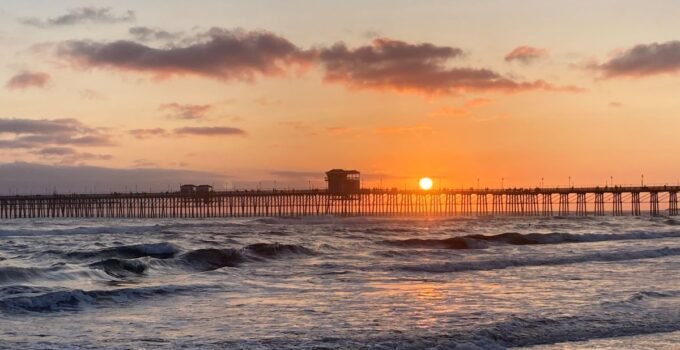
{"x": 161, "y": 250}
{"x": 514, "y": 238}
{"x": 273, "y": 250}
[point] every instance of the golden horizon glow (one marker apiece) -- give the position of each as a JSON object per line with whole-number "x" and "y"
{"x": 425, "y": 183}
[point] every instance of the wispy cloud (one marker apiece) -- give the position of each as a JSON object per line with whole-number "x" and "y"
{"x": 146, "y": 133}
{"x": 28, "y": 79}
{"x": 146, "y": 34}
{"x": 185, "y": 111}
{"x": 210, "y": 131}
{"x": 526, "y": 54}
{"x": 68, "y": 155}
{"x": 32, "y": 133}
{"x": 80, "y": 16}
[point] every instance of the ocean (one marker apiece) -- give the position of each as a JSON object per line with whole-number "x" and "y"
{"x": 341, "y": 283}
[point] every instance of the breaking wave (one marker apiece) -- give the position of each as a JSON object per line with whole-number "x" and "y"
{"x": 211, "y": 259}
{"x": 273, "y": 250}
{"x": 487, "y": 265}
{"x": 155, "y": 250}
{"x": 121, "y": 267}
{"x": 20, "y": 274}
{"x": 72, "y": 299}
{"x": 514, "y": 238}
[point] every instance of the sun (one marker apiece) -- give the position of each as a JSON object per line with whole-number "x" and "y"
{"x": 425, "y": 183}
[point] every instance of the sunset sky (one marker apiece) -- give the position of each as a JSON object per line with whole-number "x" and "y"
{"x": 258, "y": 91}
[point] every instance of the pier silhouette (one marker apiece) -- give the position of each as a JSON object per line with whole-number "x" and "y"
{"x": 572, "y": 201}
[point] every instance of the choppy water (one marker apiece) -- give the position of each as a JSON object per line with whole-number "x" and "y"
{"x": 341, "y": 283}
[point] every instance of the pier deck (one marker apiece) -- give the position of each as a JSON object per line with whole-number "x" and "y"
{"x": 579, "y": 201}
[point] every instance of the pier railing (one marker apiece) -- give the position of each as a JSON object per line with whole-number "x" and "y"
{"x": 578, "y": 201}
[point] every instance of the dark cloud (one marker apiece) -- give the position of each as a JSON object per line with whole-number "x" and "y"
{"x": 67, "y": 155}
{"x": 185, "y": 111}
{"x": 41, "y": 178}
{"x": 56, "y": 151}
{"x": 146, "y": 133}
{"x": 40, "y": 126}
{"x": 146, "y": 34}
{"x": 188, "y": 130}
{"x": 209, "y": 131}
{"x": 81, "y": 15}
{"x": 31, "y": 133}
{"x": 643, "y": 60}
{"x": 218, "y": 53}
{"x": 397, "y": 65}
{"x": 526, "y": 54}
{"x": 245, "y": 55}
{"x": 27, "y": 79}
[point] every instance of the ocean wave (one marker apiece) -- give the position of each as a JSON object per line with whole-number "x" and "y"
{"x": 139, "y": 259}
{"x": 273, "y": 250}
{"x": 211, "y": 259}
{"x": 514, "y": 238}
{"x": 498, "y": 264}
{"x": 19, "y": 274}
{"x": 56, "y": 272}
{"x": 72, "y": 299}
{"x": 121, "y": 267}
{"x": 161, "y": 250}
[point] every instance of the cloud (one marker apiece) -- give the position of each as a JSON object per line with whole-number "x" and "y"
{"x": 226, "y": 55}
{"x": 209, "y": 131}
{"x": 146, "y": 133}
{"x": 217, "y": 54}
{"x": 67, "y": 155}
{"x": 643, "y": 60}
{"x": 396, "y": 65}
{"x": 146, "y": 34}
{"x": 81, "y": 15}
{"x": 526, "y": 54}
{"x": 185, "y": 111}
{"x": 34, "y": 126}
{"x": 187, "y": 131}
{"x": 40, "y": 178}
{"x": 28, "y": 79}
{"x": 31, "y": 133}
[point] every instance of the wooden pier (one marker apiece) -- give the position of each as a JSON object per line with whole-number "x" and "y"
{"x": 600, "y": 201}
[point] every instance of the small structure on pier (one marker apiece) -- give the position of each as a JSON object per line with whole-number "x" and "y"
{"x": 187, "y": 189}
{"x": 343, "y": 182}
{"x": 202, "y": 190}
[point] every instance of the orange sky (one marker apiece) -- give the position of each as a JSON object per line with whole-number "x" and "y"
{"x": 262, "y": 91}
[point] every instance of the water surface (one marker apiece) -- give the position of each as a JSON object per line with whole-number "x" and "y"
{"x": 339, "y": 283}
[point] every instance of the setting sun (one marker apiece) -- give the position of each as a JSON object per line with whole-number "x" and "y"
{"x": 425, "y": 183}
